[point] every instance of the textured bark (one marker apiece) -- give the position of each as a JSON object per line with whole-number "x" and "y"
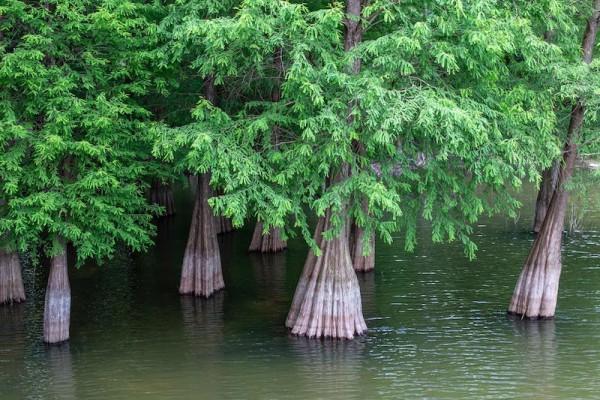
{"x": 327, "y": 301}
{"x": 269, "y": 243}
{"x": 549, "y": 180}
{"x": 201, "y": 273}
{"x": 360, "y": 261}
{"x": 223, "y": 224}
{"x": 162, "y": 194}
{"x": 57, "y": 309}
{"x": 11, "y": 281}
{"x": 536, "y": 292}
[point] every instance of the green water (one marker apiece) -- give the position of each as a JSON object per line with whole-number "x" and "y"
{"x": 437, "y": 327}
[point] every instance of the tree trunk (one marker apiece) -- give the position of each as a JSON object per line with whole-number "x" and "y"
{"x": 201, "y": 274}
{"x": 360, "y": 261}
{"x": 327, "y": 301}
{"x": 536, "y": 292}
{"x": 223, "y": 224}
{"x": 549, "y": 179}
{"x": 269, "y": 243}
{"x": 162, "y": 194}
{"x": 57, "y": 310}
{"x": 11, "y": 281}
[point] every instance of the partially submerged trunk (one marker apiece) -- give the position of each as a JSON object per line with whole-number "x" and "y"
{"x": 57, "y": 309}
{"x": 268, "y": 243}
{"x": 362, "y": 262}
{"x": 162, "y": 194}
{"x": 549, "y": 180}
{"x": 201, "y": 273}
{"x": 222, "y": 224}
{"x": 11, "y": 281}
{"x": 536, "y": 292}
{"x": 327, "y": 301}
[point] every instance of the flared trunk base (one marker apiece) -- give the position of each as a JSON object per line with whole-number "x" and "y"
{"x": 327, "y": 301}
{"x": 269, "y": 243}
{"x": 162, "y": 195}
{"x": 201, "y": 273}
{"x": 11, "y": 280}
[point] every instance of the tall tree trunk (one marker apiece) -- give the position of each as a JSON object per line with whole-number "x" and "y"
{"x": 11, "y": 281}
{"x": 536, "y": 292}
{"x": 162, "y": 194}
{"x": 327, "y": 301}
{"x": 549, "y": 180}
{"x": 267, "y": 243}
{"x": 271, "y": 242}
{"x": 353, "y": 37}
{"x": 57, "y": 309}
{"x": 201, "y": 273}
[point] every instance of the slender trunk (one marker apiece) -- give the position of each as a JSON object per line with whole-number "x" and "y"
{"x": 162, "y": 195}
{"x": 536, "y": 292}
{"x": 272, "y": 241}
{"x": 549, "y": 180}
{"x": 268, "y": 243}
{"x": 327, "y": 301}
{"x": 362, "y": 262}
{"x": 11, "y": 281}
{"x": 201, "y": 274}
{"x": 57, "y": 310}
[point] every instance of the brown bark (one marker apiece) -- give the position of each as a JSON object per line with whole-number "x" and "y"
{"x": 269, "y": 243}
{"x": 327, "y": 301}
{"x": 549, "y": 179}
{"x": 11, "y": 281}
{"x": 223, "y": 224}
{"x": 201, "y": 273}
{"x": 361, "y": 262}
{"x": 536, "y": 292}
{"x": 57, "y": 309}
{"x": 162, "y": 195}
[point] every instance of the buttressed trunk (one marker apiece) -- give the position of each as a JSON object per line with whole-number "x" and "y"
{"x": 536, "y": 292}
{"x": 327, "y": 301}
{"x": 57, "y": 309}
{"x": 162, "y": 194}
{"x": 11, "y": 281}
{"x": 201, "y": 273}
{"x": 222, "y": 224}
{"x": 268, "y": 243}
{"x": 549, "y": 180}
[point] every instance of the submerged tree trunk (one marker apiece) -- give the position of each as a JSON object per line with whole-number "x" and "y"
{"x": 162, "y": 194}
{"x": 536, "y": 292}
{"x": 269, "y": 243}
{"x": 549, "y": 180}
{"x": 222, "y": 224}
{"x": 201, "y": 274}
{"x": 11, "y": 281}
{"x": 327, "y": 301}
{"x": 57, "y": 309}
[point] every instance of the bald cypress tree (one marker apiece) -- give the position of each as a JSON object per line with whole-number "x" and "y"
{"x": 72, "y": 74}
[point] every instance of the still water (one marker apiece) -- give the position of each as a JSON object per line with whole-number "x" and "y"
{"x": 437, "y": 327}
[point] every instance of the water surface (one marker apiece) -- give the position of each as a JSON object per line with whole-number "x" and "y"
{"x": 437, "y": 327}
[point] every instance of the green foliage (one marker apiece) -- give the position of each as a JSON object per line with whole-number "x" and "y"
{"x": 448, "y": 110}
{"x": 74, "y": 138}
